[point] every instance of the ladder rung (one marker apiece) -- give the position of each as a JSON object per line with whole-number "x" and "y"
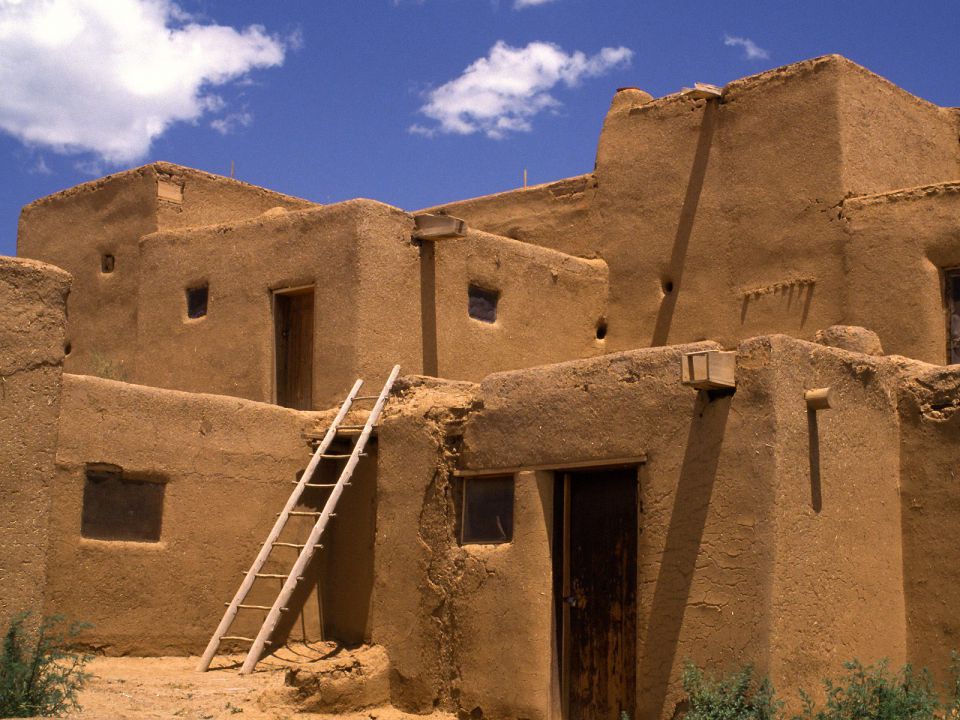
{"x": 297, "y": 482}
{"x": 355, "y": 427}
{"x": 329, "y": 456}
{"x": 303, "y": 513}
{"x": 367, "y": 397}
{"x": 272, "y": 575}
{"x": 255, "y": 607}
{"x": 294, "y": 545}
{"x": 240, "y": 637}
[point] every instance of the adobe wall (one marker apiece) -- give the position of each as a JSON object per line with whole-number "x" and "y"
{"x": 720, "y": 219}
{"x": 227, "y": 466}
{"x": 737, "y": 562}
{"x": 839, "y": 571}
{"x": 930, "y": 503}
{"x": 74, "y": 228}
{"x": 209, "y": 199}
{"x": 357, "y": 254}
{"x": 900, "y": 243}
{"x": 33, "y": 298}
{"x": 875, "y": 116}
{"x": 551, "y": 307}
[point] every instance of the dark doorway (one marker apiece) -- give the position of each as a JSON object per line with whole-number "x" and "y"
{"x": 595, "y": 591}
{"x": 952, "y": 301}
{"x": 293, "y": 322}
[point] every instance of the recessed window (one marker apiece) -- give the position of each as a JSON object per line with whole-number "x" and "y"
{"x": 118, "y": 507}
{"x": 197, "y": 301}
{"x": 107, "y": 263}
{"x": 601, "y": 329}
{"x": 487, "y": 510}
{"x": 482, "y": 303}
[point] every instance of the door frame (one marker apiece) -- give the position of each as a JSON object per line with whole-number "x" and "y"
{"x": 274, "y": 292}
{"x": 561, "y": 543}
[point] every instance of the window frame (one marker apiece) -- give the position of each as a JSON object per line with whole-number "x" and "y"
{"x": 463, "y": 515}
{"x": 486, "y": 294}
{"x": 115, "y": 473}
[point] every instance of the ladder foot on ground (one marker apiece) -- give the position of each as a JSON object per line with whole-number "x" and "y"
{"x": 360, "y": 433}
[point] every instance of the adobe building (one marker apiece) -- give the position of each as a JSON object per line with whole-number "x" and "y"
{"x": 699, "y": 403}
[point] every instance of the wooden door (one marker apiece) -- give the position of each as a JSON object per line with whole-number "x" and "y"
{"x": 599, "y": 594}
{"x": 293, "y": 323}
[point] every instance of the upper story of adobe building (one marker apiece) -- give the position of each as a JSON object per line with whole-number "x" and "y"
{"x": 807, "y": 196}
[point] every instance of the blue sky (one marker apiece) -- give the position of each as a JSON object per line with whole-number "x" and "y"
{"x": 330, "y": 100}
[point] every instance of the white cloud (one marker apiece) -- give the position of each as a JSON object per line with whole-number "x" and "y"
{"x": 521, "y": 4}
{"x": 751, "y": 50}
{"x": 500, "y": 93}
{"x": 110, "y": 76}
{"x": 232, "y": 122}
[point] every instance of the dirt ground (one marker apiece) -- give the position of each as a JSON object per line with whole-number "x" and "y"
{"x": 170, "y": 687}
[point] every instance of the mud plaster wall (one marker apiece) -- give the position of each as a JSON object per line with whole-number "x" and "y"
{"x": 358, "y": 256}
{"x": 73, "y": 229}
{"x": 735, "y": 564}
{"x": 703, "y": 510}
{"x": 33, "y": 299}
{"x": 876, "y": 115}
{"x": 902, "y": 242}
{"x": 930, "y": 427}
{"x": 549, "y": 306}
{"x": 211, "y": 199}
{"x": 838, "y": 574}
{"x": 227, "y": 465}
{"x": 735, "y": 206}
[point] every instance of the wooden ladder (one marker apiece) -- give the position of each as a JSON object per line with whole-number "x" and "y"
{"x": 295, "y": 575}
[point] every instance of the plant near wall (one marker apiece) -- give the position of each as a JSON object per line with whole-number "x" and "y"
{"x": 874, "y": 693}
{"x": 38, "y": 674}
{"x": 951, "y": 708}
{"x": 737, "y": 696}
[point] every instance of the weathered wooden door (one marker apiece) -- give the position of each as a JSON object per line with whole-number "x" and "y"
{"x": 599, "y": 608}
{"x": 293, "y": 323}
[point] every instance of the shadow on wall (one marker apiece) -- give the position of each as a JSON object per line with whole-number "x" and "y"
{"x": 678, "y": 563}
{"x": 688, "y": 212}
{"x": 813, "y": 430}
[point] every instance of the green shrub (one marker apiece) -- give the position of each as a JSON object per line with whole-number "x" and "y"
{"x": 739, "y": 696}
{"x": 38, "y": 675}
{"x": 874, "y": 693}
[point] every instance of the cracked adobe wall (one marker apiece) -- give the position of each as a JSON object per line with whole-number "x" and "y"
{"x": 226, "y": 465}
{"x": 930, "y": 477}
{"x": 737, "y": 561}
{"x": 33, "y": 299}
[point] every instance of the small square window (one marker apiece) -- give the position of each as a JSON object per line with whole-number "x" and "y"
{"x": 482, "y": 304}
{"x": 197, "y": 301}
{"x": 107, "y": 263}
{"x": 487, "y": 510}
{"x": 116, "y": 507}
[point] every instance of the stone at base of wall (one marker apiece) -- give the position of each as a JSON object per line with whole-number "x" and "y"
{"x": 852, "y": 338}
{"x": 349, "y": 680}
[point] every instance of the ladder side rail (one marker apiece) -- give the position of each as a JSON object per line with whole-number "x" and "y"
{"x": 278, "y": 526}
{"x": 290, "y": 584}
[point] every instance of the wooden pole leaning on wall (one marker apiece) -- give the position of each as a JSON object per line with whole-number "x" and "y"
{"x": 820, "y": 398}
